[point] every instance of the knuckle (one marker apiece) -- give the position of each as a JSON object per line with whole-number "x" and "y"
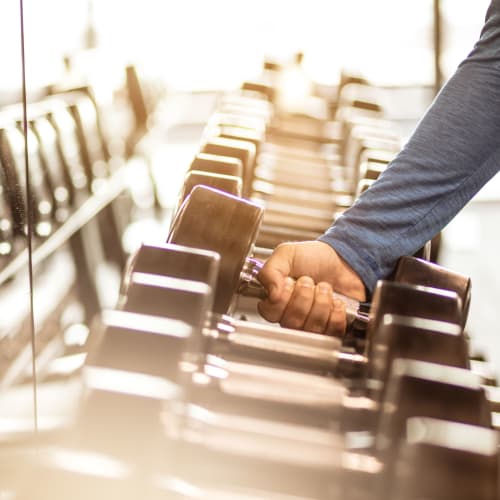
{"x": 293, "y": 322}
{"x": 316, "y": 326}
{"x": 269, "y": 312}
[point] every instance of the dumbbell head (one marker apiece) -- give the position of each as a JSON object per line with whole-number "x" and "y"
{"x": 421, "y": 272}
{"x": 244, "y": 151}
{"x": 417, "y": 388}
{"x": 68, "y": 146}
{"x": 239, "y": 120}
{"x": 362, "y": 186}
{"x": 227, "y": 183}
{"x": 237, "y": 133}
{"x": 233, "y": 148}
{"x": 12, "y": 162}
{"x": 411, "y": 300}
{"x": 360, "y": 95}
{"x": 249, "y": 105}
{"x": 185, "y": 300}
{"x": 266, "y": 91}
{"x": 380, "y": 156}
{"x": 132, "y": 342}
{"x": 131, "y": 371}
{"x": 371, "y": 169}
{"x": 446, "y": 460}
{"x": 222, "y": 223}
{"x": 176, "y": 261}
{"x": 218, "y": 164}
{"x": 416, "y": 338}
{"x": 424, "y": 253}
{"x": 52, "y": 165}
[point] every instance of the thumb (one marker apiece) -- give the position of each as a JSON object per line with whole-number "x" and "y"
{"x": 274, "y": 273}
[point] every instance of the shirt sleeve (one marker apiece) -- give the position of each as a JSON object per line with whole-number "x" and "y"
{"x": 453, "y": 152}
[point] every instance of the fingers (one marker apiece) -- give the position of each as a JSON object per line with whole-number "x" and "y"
{"x": 275, "y": 272}
{"x": 272, "y": 308}
{"x": 319, "y": 315}
{"x": 300, "y": 304}
{"x": 306, "y": 306}
{"x": 337, "y": 321}
{"x": 327, "y": 315}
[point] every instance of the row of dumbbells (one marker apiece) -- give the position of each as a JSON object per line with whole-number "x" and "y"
{"x": 68, "y": 159}
{"x": 416, "y": 276}
{"x": 304, "y": 173}
{"x": 183, "y": 402}
{"x": 71, "y": 162}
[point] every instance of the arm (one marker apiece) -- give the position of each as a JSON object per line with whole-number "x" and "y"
{"x": 453, "y": 152}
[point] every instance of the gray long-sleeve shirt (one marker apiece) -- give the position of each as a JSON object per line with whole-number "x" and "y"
{"x": 453, "y": 152}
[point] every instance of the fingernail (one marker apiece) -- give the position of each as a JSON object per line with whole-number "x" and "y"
{"x": 289, "y": 284}
{"x": 305, "y": 283}
{"x": 324, "y": 288}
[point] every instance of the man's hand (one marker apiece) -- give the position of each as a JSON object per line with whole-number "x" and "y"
{"x": 300, "y": 279}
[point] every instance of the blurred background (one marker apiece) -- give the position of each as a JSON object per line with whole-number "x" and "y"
{"x": 195, "y": 45}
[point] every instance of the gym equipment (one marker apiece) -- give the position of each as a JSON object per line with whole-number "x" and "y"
{"x": 238, "y": 272}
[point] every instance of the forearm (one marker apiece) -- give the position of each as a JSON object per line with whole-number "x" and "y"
{"x": 453, "y": 152}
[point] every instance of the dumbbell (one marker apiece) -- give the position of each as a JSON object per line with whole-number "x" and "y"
{"x": 153, "y": 259}
{"x": 93, "y": 148}
{"x": 446, "y": 460}
{"x": 413, "y": 274}
{"x": 360, "y": 95}
{"x": 192, "y": 228}
{"x": 275, "y": 213}
{"x": 231, "y": 387}
{"x": 398, "y": 337}
{"x": 52, "y": 165}
{"x": 8, "y": 243}
{"x": 199, "y": 426}
{"x": 410, "y": 337}
{"x": 235, "y": 121}
{"x": 12, "y": 159}
{"x": 231, "y": 184}
{"x": 411, "y": 270}
{"x": 239, "y": 149}
{"x": 323, "y": 201}
{"x": 186, "y": 230}
{"x": 217, "y": 164}
{"x": 68, "y": 149}
{"x": 418, "y": 389}
{"x": 279, "y": 219}
{"x": 223, "y": 336}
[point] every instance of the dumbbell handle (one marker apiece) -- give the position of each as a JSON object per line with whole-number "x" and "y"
{"x": 250, "y": 286}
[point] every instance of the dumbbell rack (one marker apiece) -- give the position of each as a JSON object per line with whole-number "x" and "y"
{"x": 86, "y": 212}
{"x": 166, "y": 415}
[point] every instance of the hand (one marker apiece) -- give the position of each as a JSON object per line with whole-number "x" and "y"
{"x": 308, "y": 303}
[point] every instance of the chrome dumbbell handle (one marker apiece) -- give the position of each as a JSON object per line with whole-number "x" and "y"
{"x": 250, "y": 286}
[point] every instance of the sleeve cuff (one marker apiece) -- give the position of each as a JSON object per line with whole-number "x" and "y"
{"x": 362, "y": 269}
